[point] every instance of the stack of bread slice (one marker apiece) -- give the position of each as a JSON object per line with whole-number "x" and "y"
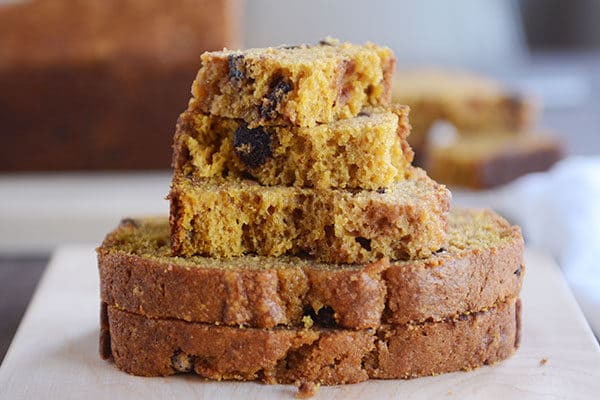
{"x": 302, "y": 246}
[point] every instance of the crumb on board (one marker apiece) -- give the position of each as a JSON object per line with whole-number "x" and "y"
{"x": 307, "y": 389}
{"x": 543, "y": 361}
{"x": 450, "y": 393}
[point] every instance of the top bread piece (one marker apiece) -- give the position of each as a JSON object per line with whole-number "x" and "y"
{"x": 294, "y": 85}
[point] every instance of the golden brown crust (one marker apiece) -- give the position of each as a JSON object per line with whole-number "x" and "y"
{"x": 484, "y": 337}
{"x": 155, "y": 347}
{"x": 471, "y": 279}
{"x": 263, "y": 292}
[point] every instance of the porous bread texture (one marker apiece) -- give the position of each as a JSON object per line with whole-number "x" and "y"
{"x": 160, "y": 347}
{"x": 481, "y": 265}
{"x": 294, "y": 85}
{"x": 368, "y": 151}
{"x": 229, "y": 218}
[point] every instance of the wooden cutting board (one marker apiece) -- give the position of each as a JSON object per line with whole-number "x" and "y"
{"x": 55, "y": 351}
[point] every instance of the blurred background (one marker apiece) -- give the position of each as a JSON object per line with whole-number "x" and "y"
{"x": 90, "y": 91}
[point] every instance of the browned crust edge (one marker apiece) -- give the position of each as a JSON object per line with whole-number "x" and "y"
{"x": 154, "y": 347}
{"x": 104, "y": 347}
{"x": 350, "y": 297}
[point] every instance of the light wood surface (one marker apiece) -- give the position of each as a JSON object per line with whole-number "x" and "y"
{"x": 55, "y": 351}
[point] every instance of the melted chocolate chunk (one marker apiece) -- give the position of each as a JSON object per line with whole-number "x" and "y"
{"x": 278, "y": 88}
{"x": 252, "y": 146}
{"x": 325, "y": 318}
{"x": 518, "y": 272}
{"x": 236, "y": 63}
{"x": 381, "y": 190}
{"x": 325, "y": 42}
{"x": 364, "y": 242}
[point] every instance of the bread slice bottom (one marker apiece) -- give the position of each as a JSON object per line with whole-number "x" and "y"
{"x": 160, "y": 347}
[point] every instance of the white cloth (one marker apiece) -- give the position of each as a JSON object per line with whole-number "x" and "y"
{"x": 559, "y": 212}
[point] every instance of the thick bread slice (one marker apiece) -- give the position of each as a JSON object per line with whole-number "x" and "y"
{"x": 236, "y": 217}
{"x": 294, "y": 85}
{"x": 481, "y": 265}
{"x": 159, "y": 347}
{"x": 368, "y": 151}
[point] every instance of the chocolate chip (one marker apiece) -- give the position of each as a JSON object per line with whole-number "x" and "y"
{"x": 325, "y": 317}
{"x": 279, "y": 87}
{"x": 236, "y": 63}
{"x": 518, "y": 271}
{"x": 129, "y": 222}
{"x": 182, "y": 362}
{"x": 364, "y": 242}
{"x": 325, "y": 42}
{"x": 381, "y": 190}
{"x": 463, "y": 317}
{"x": 329, "y": 231}
{"x": 364, "y": 114}
{"x": 442, "y": 250}
{"x": 515, "y": 103}
{"x": 252, "y": 146}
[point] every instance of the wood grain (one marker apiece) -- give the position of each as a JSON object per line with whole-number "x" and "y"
{"x": 55, "y": 351}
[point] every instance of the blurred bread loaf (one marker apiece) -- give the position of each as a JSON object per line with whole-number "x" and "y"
{"x": 98, "y": 84}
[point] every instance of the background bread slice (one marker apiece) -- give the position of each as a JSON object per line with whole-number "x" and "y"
{"x": 491, "y": 158}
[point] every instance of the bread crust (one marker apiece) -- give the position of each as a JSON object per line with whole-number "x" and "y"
{"x": 292, "y": 292}
{"x": 159, "y": 347}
